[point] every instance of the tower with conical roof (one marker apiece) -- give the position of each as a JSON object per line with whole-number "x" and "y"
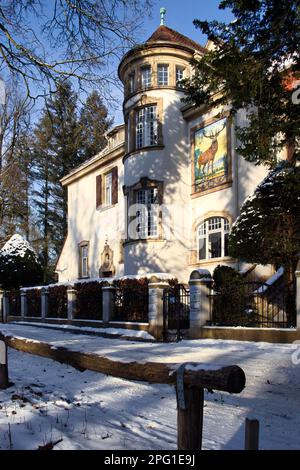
{"x": 156, "y": 161}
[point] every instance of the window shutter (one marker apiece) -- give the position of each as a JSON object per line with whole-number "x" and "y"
{"x": 115, "y": 185}
{"x": 98, "y": 190}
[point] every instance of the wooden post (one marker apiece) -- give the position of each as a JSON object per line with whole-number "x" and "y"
{"x": 190, "y": 420}
{"x": 251, "y": 434}
{"x": 4, "y": 383}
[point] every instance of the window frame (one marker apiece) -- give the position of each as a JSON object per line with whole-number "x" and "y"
{"x": 131, "y": 82}
{"x": 149, "y": 217}
{"x": 164, "y": 74}
{"x": 84, "y": 273}
{"x": 146, "y": 126}
{"x": 107, "y": 175}
{"x": 146, "y": 82}
{"x": 207, "y": 229}
{"x": 177, "y": 69}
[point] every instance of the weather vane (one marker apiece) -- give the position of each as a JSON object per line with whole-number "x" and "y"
{"x": 162, "y": 16}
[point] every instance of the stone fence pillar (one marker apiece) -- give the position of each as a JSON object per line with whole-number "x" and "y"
{"x": 297, "y": 273}
{"x": 72, "y": 297}
{"x": 5, "y": 306}
{"x": 44, "y": 303}
{"x": 108, "y": 302}
{"x": 200, "y": 287}
{"x": 156, "y": 306}
{"x": 24, "y": 307}
{"x": 1, "y": 303}
{"x": 4, "y": 382}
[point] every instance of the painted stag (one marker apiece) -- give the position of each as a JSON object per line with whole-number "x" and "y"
{"x": 206, "y": 159}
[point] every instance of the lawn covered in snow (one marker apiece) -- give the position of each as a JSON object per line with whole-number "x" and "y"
{"x": 87, "y": 410}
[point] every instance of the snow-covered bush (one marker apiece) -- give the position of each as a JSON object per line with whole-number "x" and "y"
{"x": 19, "y": 264}
{"x": 268, "y": 228}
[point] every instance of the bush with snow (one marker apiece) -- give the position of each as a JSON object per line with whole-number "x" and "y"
{"x": 19, "y": 264}
{"x": 268, "y": 228}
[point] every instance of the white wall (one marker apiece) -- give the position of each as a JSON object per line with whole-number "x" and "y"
{"x": 86, "y": 223}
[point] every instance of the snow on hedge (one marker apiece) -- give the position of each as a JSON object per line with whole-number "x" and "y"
{"x": 17, "y": 246}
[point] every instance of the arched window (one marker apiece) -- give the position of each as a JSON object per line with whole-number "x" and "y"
{"x": 213, "y": 238}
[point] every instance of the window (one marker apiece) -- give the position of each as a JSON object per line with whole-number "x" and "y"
{"x": 162, "y": 75}
{"x": 213, "y": 238}
{"x": 108, "y": 189}
{"x": 83, "y": 268}
{"x": 147, "y": 214}
{"x": 146, "y": 127}
{"x": 131, "y": 82}
{"x": 179, "y": 76}
{"x": 146, "y": 77}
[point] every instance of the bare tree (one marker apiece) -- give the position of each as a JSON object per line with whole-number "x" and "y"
{"x": 43, "y": 41}
{"x": 14, "y": 163}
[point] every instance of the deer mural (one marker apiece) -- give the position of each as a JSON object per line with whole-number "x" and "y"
{"x": 206, "y": 159}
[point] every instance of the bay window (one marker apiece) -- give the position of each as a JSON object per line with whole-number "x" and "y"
{"x": 213, "y": 236}
{"x": 146, "y": 77}
{"x": 146, "y": 127}
{"x": 163, "y": 75}
{"x": 147, "y": 213}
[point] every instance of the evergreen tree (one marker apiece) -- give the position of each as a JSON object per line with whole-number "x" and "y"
{"x": 62, "y": 141}
{"x": 42, "y": 192}
{"x": 255, "y": 59}
{"x": 268, "y": 228}
{"x": 94, "y": 123}
{"x": 19, "y": 264}
{"x": 254, "y": 65}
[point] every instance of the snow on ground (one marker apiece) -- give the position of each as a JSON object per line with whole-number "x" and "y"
{"x": 90, "y": 329}
{"x": 88, "y": 410}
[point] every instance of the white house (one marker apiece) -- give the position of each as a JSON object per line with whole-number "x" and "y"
{"x": 163, "y": 194}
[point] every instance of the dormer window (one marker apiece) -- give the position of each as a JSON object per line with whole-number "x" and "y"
{"x": 146, "y": 76}
{"x": 163, "y": 75}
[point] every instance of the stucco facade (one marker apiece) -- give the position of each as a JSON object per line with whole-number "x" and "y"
{"x": 158, "y": 157}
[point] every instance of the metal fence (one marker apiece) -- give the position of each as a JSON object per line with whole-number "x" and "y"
{"x": 252, "y": 304}
{"x": 176, "y": 310}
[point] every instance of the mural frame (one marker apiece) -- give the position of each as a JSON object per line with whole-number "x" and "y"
{"x": 227, "y": 182}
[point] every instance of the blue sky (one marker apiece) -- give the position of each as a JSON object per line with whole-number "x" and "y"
{"x": 179, "y": 16}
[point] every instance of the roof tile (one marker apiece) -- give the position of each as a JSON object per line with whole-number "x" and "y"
{"x": 163, "y": 33}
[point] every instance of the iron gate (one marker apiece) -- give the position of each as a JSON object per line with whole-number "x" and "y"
{"x": 176, "y": 312}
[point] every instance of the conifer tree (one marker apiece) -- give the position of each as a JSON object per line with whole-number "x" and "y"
{"x": 94, "y": 123}
{"x": 252, "y": 65}
{"x": 63, "y": 139}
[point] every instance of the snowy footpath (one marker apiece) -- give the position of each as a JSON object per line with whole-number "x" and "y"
{"x": 51, "y": 402}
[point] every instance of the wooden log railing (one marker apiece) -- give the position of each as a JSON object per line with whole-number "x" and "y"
{"x": 189, "y": 379}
